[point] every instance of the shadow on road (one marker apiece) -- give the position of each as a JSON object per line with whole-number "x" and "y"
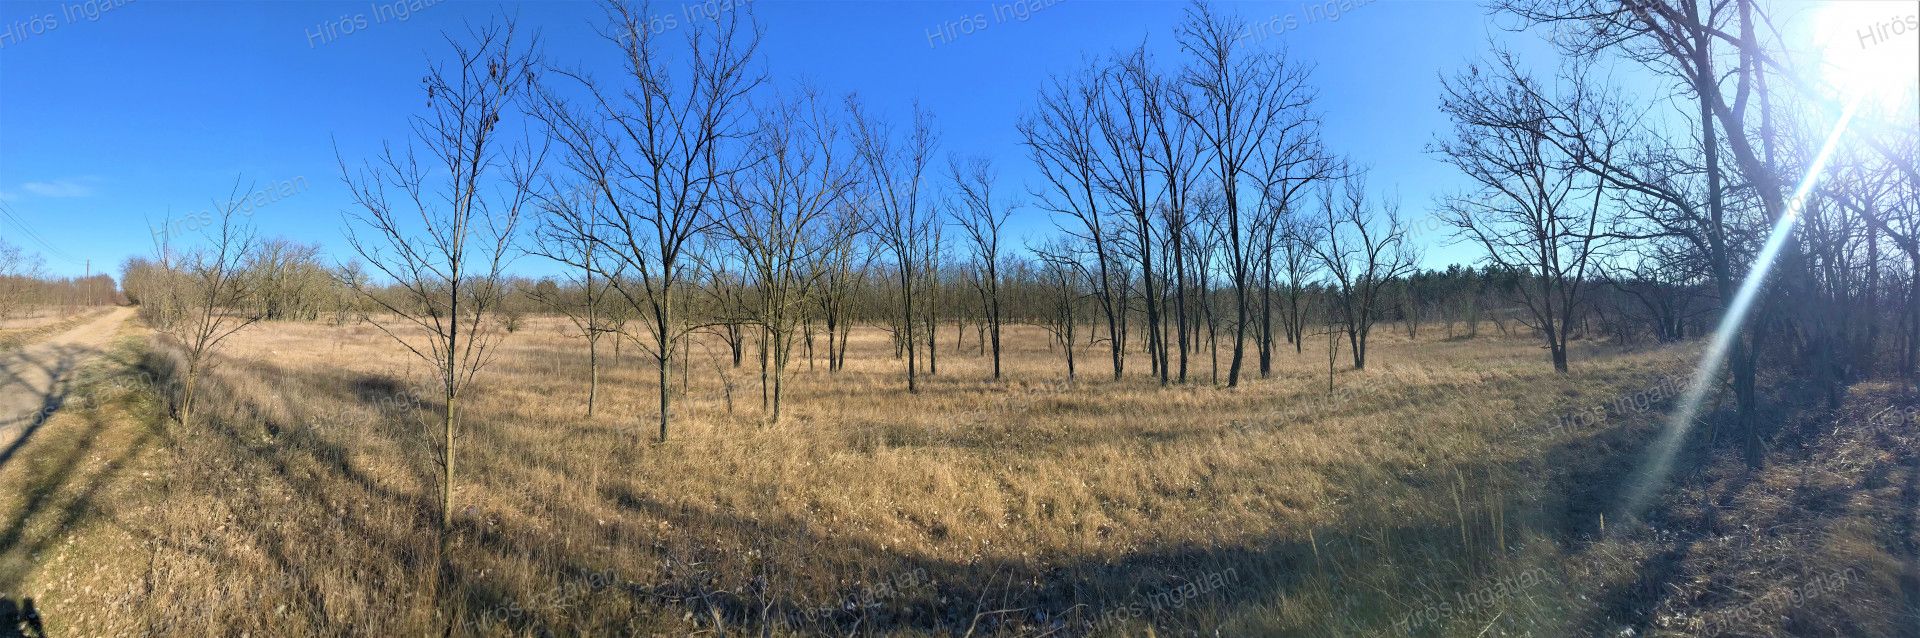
{"x": 19, "y": 619}
{"x": 48, "y": 377}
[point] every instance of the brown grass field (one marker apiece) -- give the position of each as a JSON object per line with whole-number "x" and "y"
{"x": 1456, "y": 487}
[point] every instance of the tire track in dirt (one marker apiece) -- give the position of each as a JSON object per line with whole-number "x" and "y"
{"x": 35, "y": 378}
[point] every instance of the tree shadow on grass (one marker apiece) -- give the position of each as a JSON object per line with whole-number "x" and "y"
{"x": 708, "y": 573}
{"x": 59, "y": 484}
{"x": 1172, "y": 586}
{"x": 783, "y": 573}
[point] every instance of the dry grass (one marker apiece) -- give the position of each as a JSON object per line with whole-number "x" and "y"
{"x": 1822, "y": 542}
{"x": 17, "y": 332}
{"x": 1026, "y": 507}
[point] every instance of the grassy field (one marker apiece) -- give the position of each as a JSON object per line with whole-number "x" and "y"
{"x": 1456, "y": 487}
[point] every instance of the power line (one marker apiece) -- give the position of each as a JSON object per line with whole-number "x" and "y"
{"x": 7, "y": 213}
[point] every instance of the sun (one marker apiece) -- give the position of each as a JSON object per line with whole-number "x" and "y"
{"x": 1869, "y": 49}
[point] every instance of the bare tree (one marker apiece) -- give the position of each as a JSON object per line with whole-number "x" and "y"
{"x": 1290, "y": 162}
{"x": 1207, "y": 241}
{"x": 729, "y": 307}
{"x": 16, "y": 267}
{"x": 896, "y": 171}
{"x": 779, "y": 210}
{"x": 441, "y": 231}
{"x": 290, "y": 279}
{"x": 1528, "y": 209}
{"x": 1060, "y": 136}
{"x": 657, "y": 150}
{"x": 1299, "y": 266}
{"x": 1128, "y": 92}
{"x": 1362, "y": 251}
{"x": 207, "y": 296}
{"x": 1062, "y": 270}
{"x": 1240, "y": 98}
{"x": 568, "y": 236}
{"x": 842, "y": 275}
{"x": 982, "y": 218}
{"x": 933, "y": 259}
{"x": 1714, "y": 54}
{"x": 1175, "y": 155}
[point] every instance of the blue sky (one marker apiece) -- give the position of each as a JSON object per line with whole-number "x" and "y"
{"x": 110, "y": 119}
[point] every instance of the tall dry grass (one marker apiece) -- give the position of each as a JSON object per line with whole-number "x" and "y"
{"x": 305, "y": 505}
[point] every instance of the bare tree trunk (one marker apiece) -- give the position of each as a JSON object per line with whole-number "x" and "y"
{"x": 1556, "y": 335}
{"x": 833, "y": 357}
{"x": 1333, "y": 353}
{"x": 665, "y": 360}
{"x": 846, "y": 330}
{"x": 906, "y": 335}
{"x": 980, "y": 334}
{"x": 994, "y": 331}
{"x": 1115, "y": 308}
{"x": 593, "y": 371}
{"x": 1180, "y": 302}
{"x": 1872, "y": 337}
{"x": 1239, "y": 264}
{"x": 779, "y": 376}
{"x": 446, "y": 468}
{"x": 1212, "y": 329}
{"x": 1266, "y": 317}
{"x": 186, "y": 401}
{"x": 933, "y": 345}
{"x": 760, "y": 349}
{"x": 1067, "y": 325}
{"x": 736, "y": 343}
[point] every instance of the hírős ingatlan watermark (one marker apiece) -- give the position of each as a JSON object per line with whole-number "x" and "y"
{"x": 19, "y": 31}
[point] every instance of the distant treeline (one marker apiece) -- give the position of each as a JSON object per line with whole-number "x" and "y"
{"x": 26, "y": 290}
{"x": 291, "y": 281}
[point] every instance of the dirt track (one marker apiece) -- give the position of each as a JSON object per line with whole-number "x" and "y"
{"x": 35, "y": 378}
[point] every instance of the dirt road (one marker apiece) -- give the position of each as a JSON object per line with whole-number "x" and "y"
{"x": 35, "y": 378}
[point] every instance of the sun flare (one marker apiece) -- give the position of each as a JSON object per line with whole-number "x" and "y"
{"x": 1869, "y": 49}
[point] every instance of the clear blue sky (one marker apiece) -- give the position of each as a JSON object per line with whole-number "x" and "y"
{"x": 107, "y": 123}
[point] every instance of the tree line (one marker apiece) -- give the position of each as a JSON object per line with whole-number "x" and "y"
{"x": 26, "y": 289}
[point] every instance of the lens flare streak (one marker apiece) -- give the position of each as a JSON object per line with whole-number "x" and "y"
{"x": 1658, "y": 465}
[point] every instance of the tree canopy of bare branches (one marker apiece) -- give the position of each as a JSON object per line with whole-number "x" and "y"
{"x": 436, "y": 218}
{"x": 656, "y": 149}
